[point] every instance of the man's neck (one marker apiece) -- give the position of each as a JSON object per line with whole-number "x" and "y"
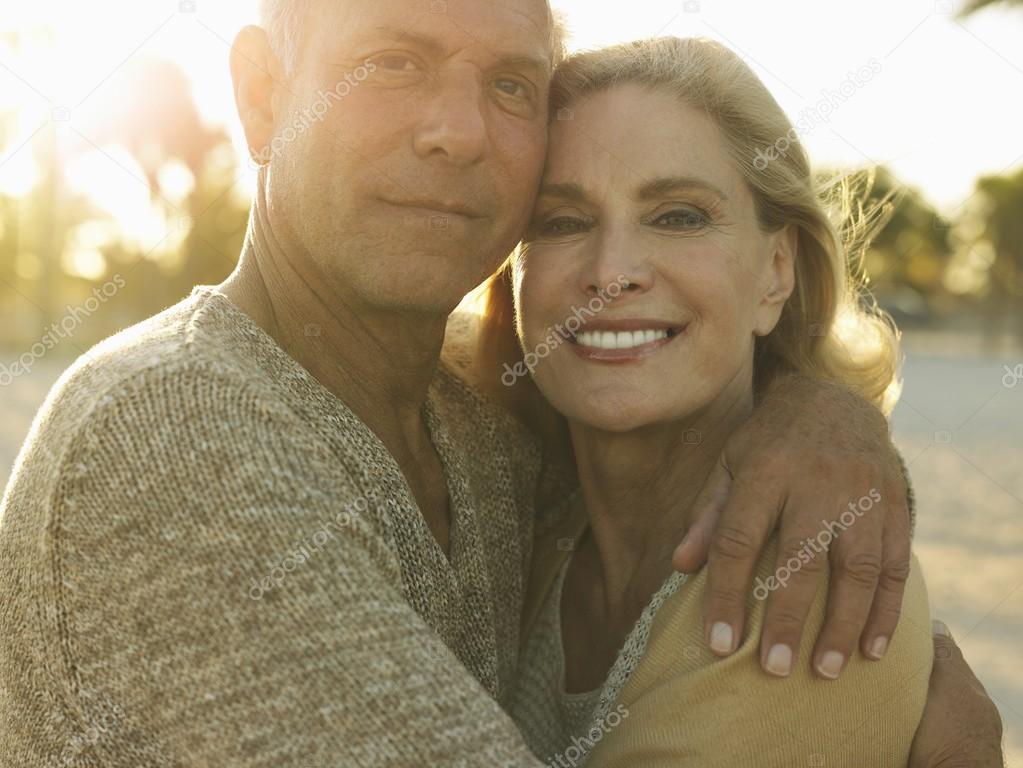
{"x": 379, "y": 363}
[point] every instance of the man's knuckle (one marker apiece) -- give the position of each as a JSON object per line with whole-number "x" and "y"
{"x": 863, "y": 568}
{"x": 843, "y": 628}
{"x": 896, "y": 572}
{"x": 733, "y": 543}
{"x": 786, "y": 617}
{"x": 722, "y": 596}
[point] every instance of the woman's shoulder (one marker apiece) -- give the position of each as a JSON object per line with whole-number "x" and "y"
{"x": 683, "y": 700}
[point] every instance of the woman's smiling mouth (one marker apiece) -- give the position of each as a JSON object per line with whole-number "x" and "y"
{"x": 624, "y": 340}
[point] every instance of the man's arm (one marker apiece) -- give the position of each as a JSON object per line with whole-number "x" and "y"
{"x": 961, "y": 727}
{"x": 817, "y": 461}
{"x": 164, "y": 533}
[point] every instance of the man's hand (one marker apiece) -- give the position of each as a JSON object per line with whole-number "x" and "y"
{"x": 817, "y": 461}
{"x": 961, "y": 727}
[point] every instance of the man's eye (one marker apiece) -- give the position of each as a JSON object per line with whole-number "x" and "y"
{"x": 394, "y": 62}
{"x": 682, "y": 218}
{"x": 511, "y": 87}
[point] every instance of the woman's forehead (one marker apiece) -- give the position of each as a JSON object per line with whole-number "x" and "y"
{"x": 629, "y": 137}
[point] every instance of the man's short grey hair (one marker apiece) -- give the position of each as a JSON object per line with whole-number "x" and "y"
{"x": 283, "y": 22}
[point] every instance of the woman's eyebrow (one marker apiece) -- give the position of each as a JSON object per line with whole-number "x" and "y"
{"x": 666, "y": 185}
{"x": 565, "y": 191}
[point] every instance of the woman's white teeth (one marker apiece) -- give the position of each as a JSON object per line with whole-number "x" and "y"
{"x": 619, "y": 340}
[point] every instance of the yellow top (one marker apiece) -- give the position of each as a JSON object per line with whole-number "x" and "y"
{"x": 682, "y": 705}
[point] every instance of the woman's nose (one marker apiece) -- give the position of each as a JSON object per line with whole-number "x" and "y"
{"x": 617, "y": 260}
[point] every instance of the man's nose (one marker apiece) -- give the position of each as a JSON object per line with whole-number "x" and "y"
{"x": 453, "y": 125}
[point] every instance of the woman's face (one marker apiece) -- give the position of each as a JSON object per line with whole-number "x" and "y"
{"x": 639, "y": 188}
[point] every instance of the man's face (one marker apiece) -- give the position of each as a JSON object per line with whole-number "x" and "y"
{"x": 422, "y": 139}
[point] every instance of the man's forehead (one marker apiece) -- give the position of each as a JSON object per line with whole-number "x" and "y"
{"x": 513, "y": 26}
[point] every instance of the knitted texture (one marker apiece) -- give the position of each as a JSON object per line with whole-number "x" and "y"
{"x": 207, "y": 560}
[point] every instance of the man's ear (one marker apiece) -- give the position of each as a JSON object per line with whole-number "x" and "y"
{"x": 257, "y": 75}
{"x": 779, "y": 279}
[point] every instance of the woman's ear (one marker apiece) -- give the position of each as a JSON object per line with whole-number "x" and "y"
{"x": 779, "y": 278}
{"x": 256, "y": 73}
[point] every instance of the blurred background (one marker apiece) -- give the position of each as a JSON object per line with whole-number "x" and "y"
{"x": 124, "y": 181}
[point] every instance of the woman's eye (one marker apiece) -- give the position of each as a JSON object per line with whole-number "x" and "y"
{"x": 682, "y": 218}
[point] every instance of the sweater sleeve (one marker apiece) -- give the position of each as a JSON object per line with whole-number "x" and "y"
{"x": 223, "y": 598}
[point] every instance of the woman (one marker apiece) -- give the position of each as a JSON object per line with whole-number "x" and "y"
{"x": 695, "y": 273}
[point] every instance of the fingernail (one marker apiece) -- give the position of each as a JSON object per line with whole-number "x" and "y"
{"x": 721, "y": 637}
{"x": 779, "y": 660}
{"x": 830, "y": 664}
{"x": 878, "y": 647}
{"x": 938, "y": 627}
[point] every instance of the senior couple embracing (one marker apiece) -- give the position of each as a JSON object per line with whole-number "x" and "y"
{"x": 553, "y": 569}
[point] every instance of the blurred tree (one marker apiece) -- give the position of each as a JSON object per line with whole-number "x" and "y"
{"x": 909, "y": 246}
{"x": 192, "y": 173}
{"x": 994, "y": 246}
{"x": 975, "y": 5}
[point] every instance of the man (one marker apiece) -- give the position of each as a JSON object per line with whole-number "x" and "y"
{"x": 266, "y": 527}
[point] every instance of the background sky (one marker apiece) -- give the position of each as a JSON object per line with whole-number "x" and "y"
{"x": 943, "y": 108}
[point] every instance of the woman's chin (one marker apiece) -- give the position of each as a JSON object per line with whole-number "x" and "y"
{"x": 617, "y": 415}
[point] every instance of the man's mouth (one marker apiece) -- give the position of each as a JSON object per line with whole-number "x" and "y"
{"x": 436, "y": 207}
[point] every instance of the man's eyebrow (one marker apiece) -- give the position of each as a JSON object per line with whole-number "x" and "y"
{"x": 522, "y": 61}
{"x": 666, "y": 185}
{"x": 399, "y": 35}
{"x": 419, "y": 40}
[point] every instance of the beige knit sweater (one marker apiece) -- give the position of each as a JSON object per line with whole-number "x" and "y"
{"x": 207, "y": 560}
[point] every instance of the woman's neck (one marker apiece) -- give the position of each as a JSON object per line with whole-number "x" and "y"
{"x": 639, "y": 488}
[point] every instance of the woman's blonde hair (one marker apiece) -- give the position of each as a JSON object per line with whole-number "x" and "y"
{"x": 829, "y": 328}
